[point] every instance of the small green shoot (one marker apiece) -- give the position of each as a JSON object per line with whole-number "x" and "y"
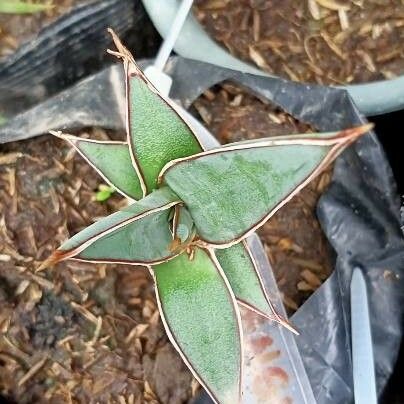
{"x": 104, "y": 193}
{"x": 22, "y": 7}
{"x": 3, "y": 120}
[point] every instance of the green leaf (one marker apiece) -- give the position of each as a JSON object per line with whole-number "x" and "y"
{"x": 144, "y": 241}
{"x": 138, "y": 234}
{"x": 243, "y": 275}
{"x": 111, "y": 160}
{"x": 21, "y": 7}
{"x": 241, "y": 272}
{"x": 156, "y": 132}
{"x": 233, "y": 190}
{"x": 202, "y": 321}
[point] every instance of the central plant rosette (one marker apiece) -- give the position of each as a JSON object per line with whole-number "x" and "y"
{"x": 189, "y": 215}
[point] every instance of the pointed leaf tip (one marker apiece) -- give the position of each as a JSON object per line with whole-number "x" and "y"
{"x": 122, "y": 52}
{"x": 285, "y": 323}
{"x": 353, "y": 134}
{"x": 52, "y": 260}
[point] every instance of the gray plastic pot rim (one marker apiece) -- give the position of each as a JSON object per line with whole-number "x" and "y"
{"x": 373, "y": 98}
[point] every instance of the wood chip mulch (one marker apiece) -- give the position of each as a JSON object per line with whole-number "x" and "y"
{"x": 321, "y": 41}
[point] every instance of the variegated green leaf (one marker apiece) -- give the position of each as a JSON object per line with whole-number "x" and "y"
{"x": 233, "y": 190}
{"x": 144, "y": 241}
{"x": 111, "y": 160}
{"x": 202, "y": 321}
{"x": 138, "y": 234}
{"x": 156, "y": 132}
{"x": 244, "y": 278}
{"x": 243, "y": 275}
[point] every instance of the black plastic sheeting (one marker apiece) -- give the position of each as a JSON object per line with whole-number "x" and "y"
{"x": 359, "y": 213}
{"x": 71, "y": 48}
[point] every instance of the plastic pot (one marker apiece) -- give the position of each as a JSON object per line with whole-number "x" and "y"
{"x": 70, "y": 48}
{"x": 359, "y": 213}
{"x": 371, "y": 98}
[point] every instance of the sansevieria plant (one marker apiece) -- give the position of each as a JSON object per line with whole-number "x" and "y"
{"x": 190, "y": 212}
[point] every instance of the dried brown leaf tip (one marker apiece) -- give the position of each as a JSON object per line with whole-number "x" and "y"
{"x": 130, "y": 66}
{"x": 122, "y": 52}
{"x": 52, "y": 260}
{"x": 352, "y": 134}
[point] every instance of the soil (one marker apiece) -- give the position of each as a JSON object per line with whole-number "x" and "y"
{"x": 295, "y": 244}
{"x": 322, "y": 41}
{"x": 77, "y": 333}
{"x": 17, "y": 29}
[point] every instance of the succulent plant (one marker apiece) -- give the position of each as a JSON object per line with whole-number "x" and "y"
{"x": 189, "y": 215}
